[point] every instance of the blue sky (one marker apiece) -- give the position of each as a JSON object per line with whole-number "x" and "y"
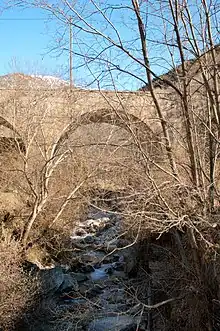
{"x": 26, "y": 37}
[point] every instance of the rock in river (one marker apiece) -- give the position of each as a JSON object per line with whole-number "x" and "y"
{"x": 113, "y": 323}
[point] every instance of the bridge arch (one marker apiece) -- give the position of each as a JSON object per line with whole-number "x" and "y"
{"x": 11, "y": 143}
{"x": 122, "y": 119}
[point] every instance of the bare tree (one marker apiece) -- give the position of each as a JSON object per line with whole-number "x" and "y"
{"x": 186, "y": 36}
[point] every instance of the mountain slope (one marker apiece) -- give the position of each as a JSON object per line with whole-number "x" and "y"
{"x": 22, "y": 81}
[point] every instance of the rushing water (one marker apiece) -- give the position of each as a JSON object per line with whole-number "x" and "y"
{"x": 101, "y": 273}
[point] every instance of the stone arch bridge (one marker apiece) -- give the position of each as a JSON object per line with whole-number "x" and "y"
{"x": 34, "y": 122}
{"x": 52, "y": 115}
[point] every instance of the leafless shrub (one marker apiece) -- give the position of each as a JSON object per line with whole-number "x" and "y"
{"x": 15, "y": 286}
{"x": 178, "y": 191}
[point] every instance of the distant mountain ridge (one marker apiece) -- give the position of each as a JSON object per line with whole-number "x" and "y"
{"x": 192, "y": 68}
{"x": 23, "y": 81}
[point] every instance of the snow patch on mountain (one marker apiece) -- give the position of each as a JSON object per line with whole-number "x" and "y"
{"x": 52, "y": 80}
{"x": 22, "y": 81}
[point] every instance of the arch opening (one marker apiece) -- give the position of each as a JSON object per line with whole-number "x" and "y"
{"x": 9, "y": 143}
{"x": 129, "y": 122}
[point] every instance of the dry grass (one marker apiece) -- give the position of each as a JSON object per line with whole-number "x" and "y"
{"x": 15, "y": 289}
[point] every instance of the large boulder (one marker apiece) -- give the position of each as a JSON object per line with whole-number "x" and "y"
{"x": 69, "y": 283}
{"x": 129, "y": 257}
{"x": 56, "y": 281}
{"x": 92, "y": 257}
{"x": 50, "y": 280}
{"x": 37, "y": 255}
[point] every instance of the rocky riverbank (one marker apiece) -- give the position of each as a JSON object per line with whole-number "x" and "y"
{"x": 94, "y": 292}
